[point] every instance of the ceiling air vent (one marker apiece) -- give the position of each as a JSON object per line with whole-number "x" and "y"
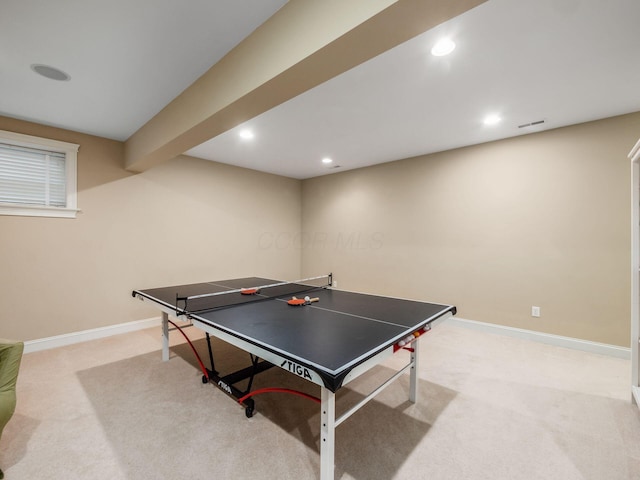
{"x": 525, "y": 125}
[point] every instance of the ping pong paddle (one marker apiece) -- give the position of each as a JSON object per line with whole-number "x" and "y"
{"x": 302, "y": 301}
{"x": 249, "y": 291}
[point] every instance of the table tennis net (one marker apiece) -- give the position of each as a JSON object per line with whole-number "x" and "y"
{"x": 225, "y": 296}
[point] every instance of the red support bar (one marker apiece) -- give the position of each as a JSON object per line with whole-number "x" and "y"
{"x": 202, "y": 367}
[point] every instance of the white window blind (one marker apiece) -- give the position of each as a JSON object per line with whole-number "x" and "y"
{"x": 30, "y": 176}
{"x": 37, "y": 176}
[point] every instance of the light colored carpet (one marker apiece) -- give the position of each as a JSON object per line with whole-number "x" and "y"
{"x": 490, "y": 407}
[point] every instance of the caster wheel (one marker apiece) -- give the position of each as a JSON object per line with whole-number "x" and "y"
{"x": 205, "y": 379}
{"x": 249, "y": 412}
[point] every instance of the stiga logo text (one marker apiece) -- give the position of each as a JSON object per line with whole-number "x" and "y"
{"x": 297, "y": 369}
{"x": 225, "y": 387}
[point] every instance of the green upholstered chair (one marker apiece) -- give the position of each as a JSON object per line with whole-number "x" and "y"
{"x": 10, "y": 357}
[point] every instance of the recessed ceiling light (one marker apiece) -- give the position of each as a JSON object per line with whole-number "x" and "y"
{"x": 326, "y": 160}
{"x": 50, "y": 72}
{"x": 443, "y": 47}
{"x": 246, "y": 134}
{"x": 492, "y": 119}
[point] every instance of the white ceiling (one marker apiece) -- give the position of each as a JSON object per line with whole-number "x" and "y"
{"x": 564, "y": 61}
{"x": 127, "y": 58}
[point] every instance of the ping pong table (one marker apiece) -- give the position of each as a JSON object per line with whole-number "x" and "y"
{"x": 329, "y": 340}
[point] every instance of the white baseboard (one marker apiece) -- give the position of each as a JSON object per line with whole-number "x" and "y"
{"x": 557, "y": 340}
{"x": 549, "y": 339}
{"x": 636, "y": 395}
{"x": 85, "y": 335}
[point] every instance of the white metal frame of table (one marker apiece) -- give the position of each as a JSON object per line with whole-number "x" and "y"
{"x": 328, "y": 420}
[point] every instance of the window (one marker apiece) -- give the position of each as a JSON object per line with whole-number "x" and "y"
{"x": 37, "y": 176}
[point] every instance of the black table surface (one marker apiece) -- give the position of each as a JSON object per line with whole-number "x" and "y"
{"x": 331, "y": 336}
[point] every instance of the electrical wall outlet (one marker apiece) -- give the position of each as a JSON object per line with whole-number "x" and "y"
{"x": 535, "y": 311}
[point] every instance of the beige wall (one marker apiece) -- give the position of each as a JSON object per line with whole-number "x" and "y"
{"x": 187, "y": 220}
{"x": 541, "y": 219}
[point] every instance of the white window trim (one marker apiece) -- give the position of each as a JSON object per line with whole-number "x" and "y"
{"x": 71, "y": 162}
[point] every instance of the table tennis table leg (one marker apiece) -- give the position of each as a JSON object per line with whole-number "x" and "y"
{"x": 413, "y": 375}
{"x": 327, "y": 433}
{"x": 165, "y": 337}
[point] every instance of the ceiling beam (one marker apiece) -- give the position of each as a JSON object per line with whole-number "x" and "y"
{"x": 303, "y": 45}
